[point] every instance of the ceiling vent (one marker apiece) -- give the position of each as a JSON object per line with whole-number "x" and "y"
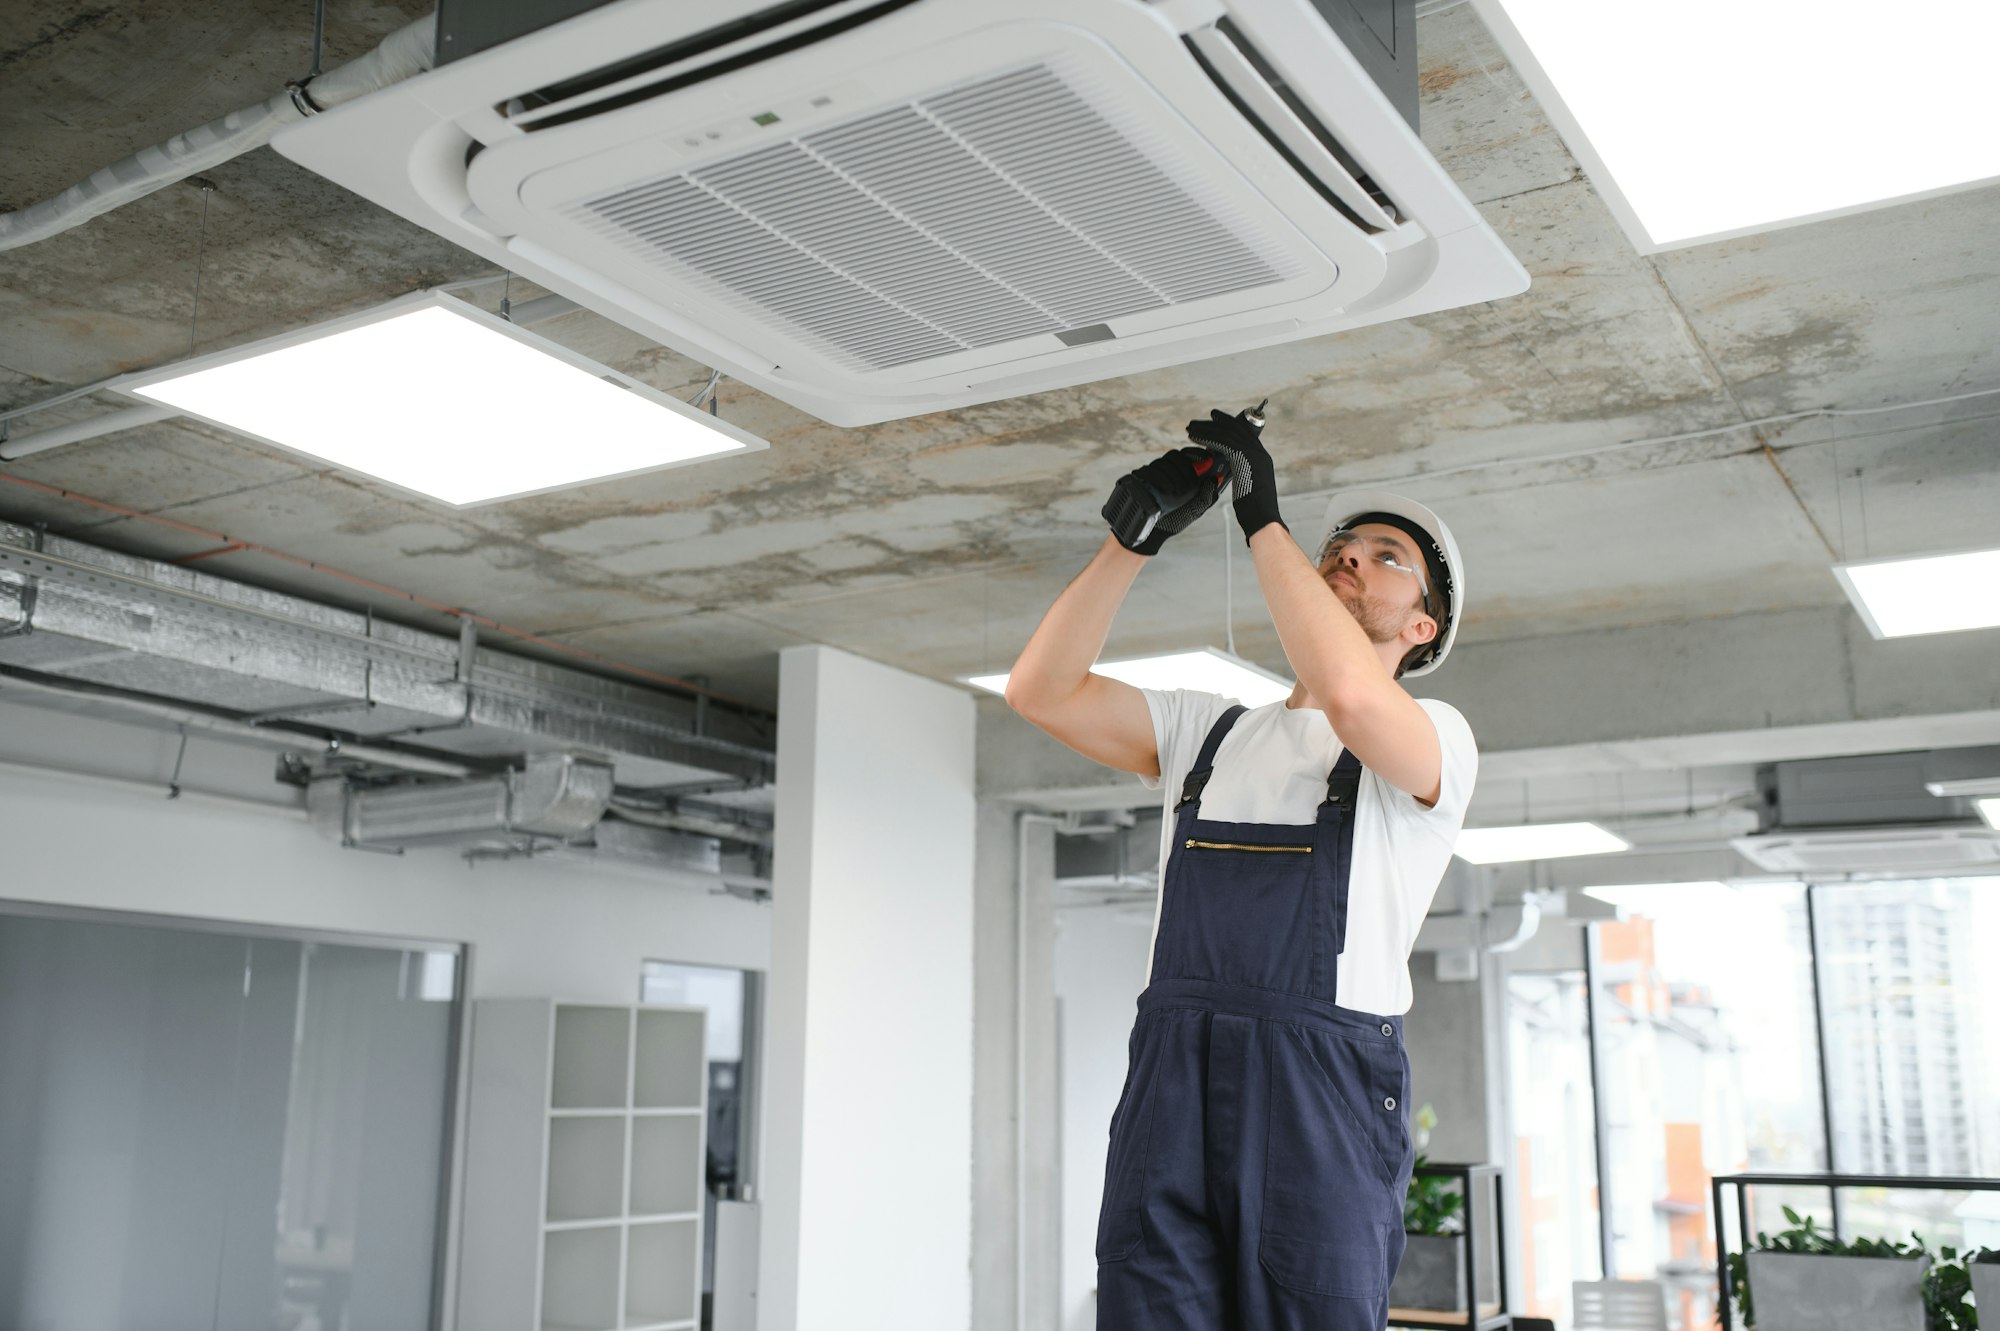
{"x": 877, "y": 210}
{"x": 1875, "y": 851}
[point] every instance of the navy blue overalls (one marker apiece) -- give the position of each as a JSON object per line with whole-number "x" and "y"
{"x": 1261, "y": 1148}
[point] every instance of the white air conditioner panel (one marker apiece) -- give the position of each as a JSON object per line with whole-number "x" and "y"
{"x": 931, "y": 208}
{"x": 1941, "y": 850}
{"x": 928, "y": 220}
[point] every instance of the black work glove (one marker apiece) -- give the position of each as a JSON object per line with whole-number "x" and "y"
{"x": 1180, "y": 485}
{"x": 1251, "y": 474}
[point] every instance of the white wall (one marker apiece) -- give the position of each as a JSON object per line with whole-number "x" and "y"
{"x": 1100, "y": 968}
{"x": 572, "y": 931}
{"x": 867, "y": 1179}
{"x": 534, "y": 928}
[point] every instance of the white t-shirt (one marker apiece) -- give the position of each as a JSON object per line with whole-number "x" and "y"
{"x": 1272, "y": 768}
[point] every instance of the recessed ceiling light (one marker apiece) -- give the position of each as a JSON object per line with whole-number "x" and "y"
{"x": 1709, "y": 119}
{"x": 1206, "y": 670}
{"x": 1989, "y": 809}
{"x": 435, "y": 396}
{"x": 1658, "y": 898}
{"x": 1899, "y": 598}
{"x": 1536, "y": 841}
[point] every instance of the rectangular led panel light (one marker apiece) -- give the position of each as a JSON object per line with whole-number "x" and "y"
{"x": 1899, "y": 598}
{"x": 1536, "y": 841}
{"x": 1989, "y": 809}
{"x": 1707, "y": 119}
{"x": 1206, "y": 670}
{"x": 435, "y": 396}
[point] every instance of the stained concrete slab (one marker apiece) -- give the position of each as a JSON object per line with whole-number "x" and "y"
{"x": 934, "y": 543}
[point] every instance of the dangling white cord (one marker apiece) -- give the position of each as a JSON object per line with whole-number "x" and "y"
{"x": 1228, "y": 585}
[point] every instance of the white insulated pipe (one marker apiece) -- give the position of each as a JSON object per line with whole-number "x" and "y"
{"x": 403, "y": 53}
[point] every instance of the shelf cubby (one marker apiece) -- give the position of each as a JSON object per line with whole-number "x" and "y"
{"x": 662, "y": 1272}
{"x": 586, "y": 1169}
{"x": 580, "y": 1278}
{"x": 668, "y": 1066}
{"x": 592, "y": 1057}
{"x": 667, "y": 1164}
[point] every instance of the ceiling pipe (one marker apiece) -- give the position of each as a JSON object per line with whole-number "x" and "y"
{"x": 403, "y": 53}
{"x": 193, "y": 719}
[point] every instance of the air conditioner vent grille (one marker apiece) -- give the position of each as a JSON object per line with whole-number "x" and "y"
{"x": 1000, "y": 210}
{"x": 1876, "y": 850}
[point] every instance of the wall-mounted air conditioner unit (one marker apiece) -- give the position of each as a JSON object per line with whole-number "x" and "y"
{"x": 879, "y": 208}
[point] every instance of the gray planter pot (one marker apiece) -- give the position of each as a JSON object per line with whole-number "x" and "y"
{"x": 1432, "y": 1275}
{"x": 1986, "y": 1292}
{"x": 1802, "y": 1292}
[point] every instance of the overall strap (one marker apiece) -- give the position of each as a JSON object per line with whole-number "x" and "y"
{"x": 1344, "y": 781}
{"x": 1204, "y": 764}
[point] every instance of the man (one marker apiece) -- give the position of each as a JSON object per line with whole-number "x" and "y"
{"x": 1260, "y": 1152}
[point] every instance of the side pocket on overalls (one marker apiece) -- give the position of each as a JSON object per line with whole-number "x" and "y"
{"x": 1330, "y": 1216}
{"x": 1118, "y": 1224}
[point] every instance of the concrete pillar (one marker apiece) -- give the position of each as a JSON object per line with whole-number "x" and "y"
{"x": 867, "y": 1100}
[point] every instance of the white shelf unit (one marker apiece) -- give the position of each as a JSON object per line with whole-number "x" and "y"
{"x": 584, "y": 1167}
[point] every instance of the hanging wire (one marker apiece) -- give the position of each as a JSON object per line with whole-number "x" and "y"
{"x": 200, "y": 244}
{"x": 1861, "y": 494}
{"x": 174, "y": 781}
{"x": 1228, "y": 584}
{"x": 319, "y": 36}
{"x": 707, "y": 393}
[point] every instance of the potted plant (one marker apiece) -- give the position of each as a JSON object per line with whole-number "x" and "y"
{"x": 1809, "y": 1280}
{"x": 1432, "y": 1274}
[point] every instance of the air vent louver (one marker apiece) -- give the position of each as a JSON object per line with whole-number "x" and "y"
{"x": 998, "y": 211}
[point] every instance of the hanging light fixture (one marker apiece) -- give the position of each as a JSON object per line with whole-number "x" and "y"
{"x": 1536, "y": 841}
{"x": 438, "y": 397}
{"x": 1904, "y": 597}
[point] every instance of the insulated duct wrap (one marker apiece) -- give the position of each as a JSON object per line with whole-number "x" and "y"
{"x": 559, "y": 797}
{"x": 72, "y": 611}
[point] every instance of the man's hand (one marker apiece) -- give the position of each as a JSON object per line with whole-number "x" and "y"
{"x": 1251, "y": 473}
{"x": 1181, "y": 484}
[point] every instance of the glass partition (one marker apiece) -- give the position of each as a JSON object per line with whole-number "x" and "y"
{"x": 201, "y": 1127}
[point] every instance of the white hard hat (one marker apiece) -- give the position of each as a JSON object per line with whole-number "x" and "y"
{"x": 1445, "y": 569}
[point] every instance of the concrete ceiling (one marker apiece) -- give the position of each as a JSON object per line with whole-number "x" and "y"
{"x": 934, "y": 544}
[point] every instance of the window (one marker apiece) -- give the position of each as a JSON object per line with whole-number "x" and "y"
{"x": 1555, "y": 1135}
{"x": 1733, "y": 1025}
{"x": 1912, "y": 1010}
{"x": 1707, "y": 1063}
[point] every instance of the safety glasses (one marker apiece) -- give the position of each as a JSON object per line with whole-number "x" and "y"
{"x": 1385, "y": 552}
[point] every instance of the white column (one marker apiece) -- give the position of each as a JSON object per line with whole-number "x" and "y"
{"x": 866, "y": 1177}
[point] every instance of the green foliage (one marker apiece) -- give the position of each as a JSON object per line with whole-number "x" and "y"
{"x": 1433, "y": 1205}
{"x": 1947, "y": 1284}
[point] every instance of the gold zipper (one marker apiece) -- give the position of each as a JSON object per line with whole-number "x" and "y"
{"x": 1192, "y": 844}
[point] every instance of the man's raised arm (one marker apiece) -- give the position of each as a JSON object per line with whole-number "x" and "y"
{"x": 1052, "y": 685}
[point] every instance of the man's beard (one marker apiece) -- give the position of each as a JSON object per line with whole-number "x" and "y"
{"x": 1379, "y": 620}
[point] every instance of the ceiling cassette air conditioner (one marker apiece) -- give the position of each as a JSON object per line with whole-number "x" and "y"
{"x": 881, "y": 208}
{"x": 1880, "y": 850}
